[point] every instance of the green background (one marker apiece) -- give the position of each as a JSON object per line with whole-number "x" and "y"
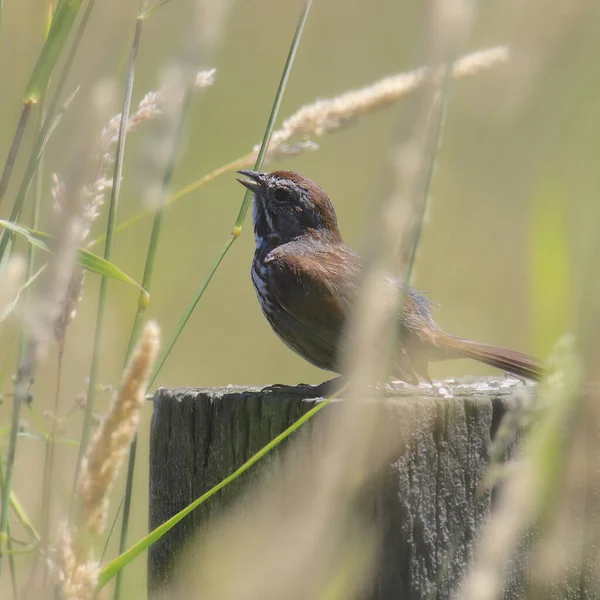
{"x": 510, "y": 229}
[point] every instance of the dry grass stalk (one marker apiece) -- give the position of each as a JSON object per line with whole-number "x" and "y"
{"x": 328, "y": 115}
{"x": 363, "y": 439}
{"x": 209, "y": 18}
{"x": 528, "y": 486}
{"x": 298, "y": 529}
{"x": 485, "y": 580}
{"x": 76, "y": 575}
{"x": 47, "y": 307}
{"x": 113, "y": 437}
{"x": 76, "y": 570}
{"x": 376, "y": 311}
{"x": 93, "y": 194}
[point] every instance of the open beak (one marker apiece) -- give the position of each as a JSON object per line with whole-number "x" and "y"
{"x": 256, "y": 183}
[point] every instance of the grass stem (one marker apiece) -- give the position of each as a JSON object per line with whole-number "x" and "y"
{"x": 108, "y": 247}
{"x": 14, "y": 149}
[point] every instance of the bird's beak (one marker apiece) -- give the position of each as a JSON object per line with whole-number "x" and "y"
{"x": 257, "y": 180}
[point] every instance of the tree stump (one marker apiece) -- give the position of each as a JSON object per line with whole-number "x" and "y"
{"x": 428, "y": 506}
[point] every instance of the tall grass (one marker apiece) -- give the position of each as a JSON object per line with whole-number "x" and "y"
{"x": 62, "y": 214}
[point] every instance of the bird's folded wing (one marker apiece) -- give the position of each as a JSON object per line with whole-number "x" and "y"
{"x": 316, "y": 291}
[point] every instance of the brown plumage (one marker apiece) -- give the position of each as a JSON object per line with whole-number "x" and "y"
{"x": 307, "y": 279}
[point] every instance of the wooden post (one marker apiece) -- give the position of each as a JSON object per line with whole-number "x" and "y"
{"x": 428, "y": 503}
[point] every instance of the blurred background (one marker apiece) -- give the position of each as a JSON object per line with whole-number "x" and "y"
{"x": 513, "y": 212}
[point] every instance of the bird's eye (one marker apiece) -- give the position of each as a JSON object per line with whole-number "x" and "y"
{"x": 281, "y": 195}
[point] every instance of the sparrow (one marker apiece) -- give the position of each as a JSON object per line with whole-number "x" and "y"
{"x": 307, "y": 280}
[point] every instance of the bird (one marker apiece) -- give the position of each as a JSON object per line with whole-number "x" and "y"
{"x": 307, "y": 280}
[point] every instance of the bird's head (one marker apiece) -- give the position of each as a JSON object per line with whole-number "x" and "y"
{"x": 288, "y": 205}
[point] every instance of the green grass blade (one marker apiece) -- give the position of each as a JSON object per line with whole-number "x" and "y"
{"x": 22, "y": 515}
{"x": 440, "y": 119}
{"x": 108, "y": 246}
{"x": 85, "y": 258}
{"x": 57, "y": 36}
{"x": 14, "y": 149}
{"x": 114, "y": 566}
{"x": 21, "y": 389}
{"x": 36, "y": 239}
{"x": 42, "y": 137}
{"x": 54, "y": 123}
{"x": 8, "y": 540}
{"x": 142, "y": 305}
{"x": 237, "y": 228}
{"x": 12, "y": 154}
{"x": 274, "y": 110}
{"x": 101, "y": 266}
{"x": 153, "y": 247}
{"x": 56, "y": 8}
{"x": 238, "y": 163}
{"x": 40, "y": 77}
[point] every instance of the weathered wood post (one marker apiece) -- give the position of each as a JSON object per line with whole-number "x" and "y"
{"x": 429, "y": 505}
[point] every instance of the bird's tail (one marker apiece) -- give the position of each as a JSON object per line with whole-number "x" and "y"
{"x": 514, "y": 362}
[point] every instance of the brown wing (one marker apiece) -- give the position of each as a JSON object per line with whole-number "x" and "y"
{"x": 316, "y": 291}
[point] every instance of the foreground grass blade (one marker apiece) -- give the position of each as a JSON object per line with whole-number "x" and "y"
{"x": 108, "y": 246}
{"x": 26, "y": 365}
{"x": 14, "y": 149}
{"x": 35, "y": 238}
{"x": 115, "y": 566}
{"x": 59, "y": 30}
{"x": 21, "y": 514}
{"x": 85, "y": 258}
{"x": 143, "y": 304}
{"x": 152, "y": 252}
{"x": 179, "y": 123}
{"x": 42, "y": 137}
{"x": 7, "y": 539}
{"x": 57, "y": 36}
